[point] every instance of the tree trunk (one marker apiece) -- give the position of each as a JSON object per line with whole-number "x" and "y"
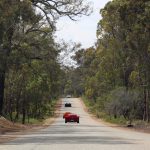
{"x": 28, "y": 118}
{"x": 2, "y": 82}
{"x": 10, "y": 108}
{"x": 17, "y": 110}
{"x": 146, "y": 105}
{"x": 23, "y": 115}
{"x": 146, "y": 98}
{"x": 10, "y": 115}
{"x": 144, "y": 113}
{"x": 17, "y": 105}
{"x": 23, "y": 111}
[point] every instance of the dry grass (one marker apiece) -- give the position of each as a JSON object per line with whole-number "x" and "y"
{"x": 7, "y": 126}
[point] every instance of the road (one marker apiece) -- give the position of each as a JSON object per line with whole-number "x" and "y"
{"x": 88, "y": 135}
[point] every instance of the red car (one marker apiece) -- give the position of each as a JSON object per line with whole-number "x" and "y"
{"x": 72, "y": 118}
{"x": 65, "y": 114}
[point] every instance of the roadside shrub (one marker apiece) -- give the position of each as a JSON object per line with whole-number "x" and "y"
{"x": 124, "y": 103}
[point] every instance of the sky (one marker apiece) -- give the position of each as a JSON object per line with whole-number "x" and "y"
{"x": 82, "y": 31}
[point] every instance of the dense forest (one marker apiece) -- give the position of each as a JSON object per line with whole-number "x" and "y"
{"x": 31, "y": 76}
{"x": 113, "y": 76}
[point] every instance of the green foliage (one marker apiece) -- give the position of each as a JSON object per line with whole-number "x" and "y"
{"x": 124, "y": 103}
{"x": 30, "y": 74}
{"x": 115, "y": 74}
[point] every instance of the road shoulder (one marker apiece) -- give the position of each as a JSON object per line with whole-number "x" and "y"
{"x": 15, "y": 130}
{"x": 99, "y": 120}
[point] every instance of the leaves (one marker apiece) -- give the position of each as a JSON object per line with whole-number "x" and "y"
{"x": 120, "y": 61}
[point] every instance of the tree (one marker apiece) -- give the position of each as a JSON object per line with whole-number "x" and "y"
{"x": 120, "y": 59}
{"x": 27, "y": 17}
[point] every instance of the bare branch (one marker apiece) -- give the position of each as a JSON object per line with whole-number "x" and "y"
{"x": 53, "y": 9}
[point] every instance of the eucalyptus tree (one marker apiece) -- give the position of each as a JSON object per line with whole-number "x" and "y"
{"x": 121, "y": 57}
{"x": 124, "y": 32}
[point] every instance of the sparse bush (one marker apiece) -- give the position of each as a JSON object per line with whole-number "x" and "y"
{"x": 124, "y": 103}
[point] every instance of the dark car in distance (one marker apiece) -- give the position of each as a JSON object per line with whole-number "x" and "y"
{"x": 67, "y": 104}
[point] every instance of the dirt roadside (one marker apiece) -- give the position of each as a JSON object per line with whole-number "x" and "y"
{"x": 143, "y": 129}
{"x": 10, "y": 131}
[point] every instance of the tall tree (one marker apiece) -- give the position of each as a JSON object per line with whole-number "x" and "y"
{"x": 30, "y": 16}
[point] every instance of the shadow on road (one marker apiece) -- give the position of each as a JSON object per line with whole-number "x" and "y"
{"x": 71, "y": 134}
{"x": 71, "y": 140}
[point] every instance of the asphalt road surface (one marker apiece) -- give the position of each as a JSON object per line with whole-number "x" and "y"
{"x": 87, "y": 135}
